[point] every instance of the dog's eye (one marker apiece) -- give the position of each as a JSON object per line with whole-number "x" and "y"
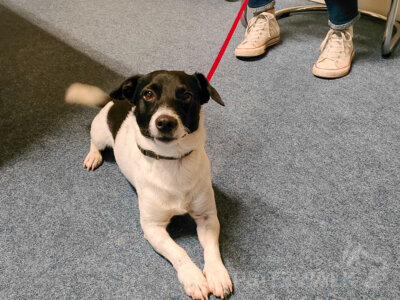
{"x": 187, "y": 97}
{"x": 148, "y": 95}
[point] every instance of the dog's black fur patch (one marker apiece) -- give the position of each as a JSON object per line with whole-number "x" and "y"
{"x": 176, "y": 90}
{"x": 117, "y": 114}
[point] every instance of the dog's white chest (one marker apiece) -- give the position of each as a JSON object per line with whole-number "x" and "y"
{"x": 170, "y": 185}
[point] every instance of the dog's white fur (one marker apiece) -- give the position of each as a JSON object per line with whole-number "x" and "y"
{"x": 165, "y": 188}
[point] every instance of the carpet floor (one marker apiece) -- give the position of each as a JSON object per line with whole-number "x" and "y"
{"x": 306, "y": 171}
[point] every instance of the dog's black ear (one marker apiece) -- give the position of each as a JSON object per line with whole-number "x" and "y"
{"x": 126, "y": 90}
{"x": 207, "y": 90}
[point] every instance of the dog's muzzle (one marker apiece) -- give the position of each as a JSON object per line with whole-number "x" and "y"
{"x": 166, "y": 127}
{"x": 166, "y": 124}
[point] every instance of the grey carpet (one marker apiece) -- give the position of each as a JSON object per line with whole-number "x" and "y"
{"x": 306, "y": 171}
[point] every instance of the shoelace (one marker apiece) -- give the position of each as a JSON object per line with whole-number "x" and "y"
{"x": 253, "y": 31}
{"x": 334, "y": 41}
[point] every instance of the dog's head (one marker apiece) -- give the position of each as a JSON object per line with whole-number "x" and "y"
{"x": 167, "y": 103}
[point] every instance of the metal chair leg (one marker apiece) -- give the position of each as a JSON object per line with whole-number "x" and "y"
{"x": 389, "y": 40}
{"x": 286, "y": 12}
{"x": 283, "y": 13}
{"x": 243, "y": 19}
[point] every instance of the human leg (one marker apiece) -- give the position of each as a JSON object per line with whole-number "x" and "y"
{"x": 342, "y": 13}
{"x": 259, "y": 6}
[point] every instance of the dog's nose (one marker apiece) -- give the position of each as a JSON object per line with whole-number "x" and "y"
{"x": 165, "y": 123}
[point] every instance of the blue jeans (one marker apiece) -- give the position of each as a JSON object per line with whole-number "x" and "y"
{"x": 342, "y": 13}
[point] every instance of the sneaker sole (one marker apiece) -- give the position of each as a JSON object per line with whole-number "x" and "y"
{"x": 245, "y": 52}
{"x": 333, "y": 73}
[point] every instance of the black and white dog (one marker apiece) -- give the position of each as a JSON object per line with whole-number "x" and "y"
{"x": 154, "y": 123}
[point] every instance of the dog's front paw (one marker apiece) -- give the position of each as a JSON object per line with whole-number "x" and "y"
{"x": 193, "y": 281}
{"x": 93, "y": 160}
{"x": 218, "y": 279}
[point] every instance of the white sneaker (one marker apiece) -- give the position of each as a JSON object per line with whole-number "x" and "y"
{"x": 337, "y": 54}
{"x": 262, "y": 32}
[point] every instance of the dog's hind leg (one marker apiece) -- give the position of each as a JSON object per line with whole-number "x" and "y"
{"x": 100, "y": 138}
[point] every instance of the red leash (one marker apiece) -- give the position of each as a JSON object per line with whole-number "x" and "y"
{"x": 227, "y": 40}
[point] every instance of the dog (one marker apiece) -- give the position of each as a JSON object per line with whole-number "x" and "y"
{"x": 155, "y": 125}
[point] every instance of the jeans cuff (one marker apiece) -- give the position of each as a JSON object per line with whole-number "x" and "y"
{"x": 257, "y": 10}
{"x": 345, "y": 25}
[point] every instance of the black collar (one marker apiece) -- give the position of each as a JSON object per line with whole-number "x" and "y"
{"x": 152, "y": 154}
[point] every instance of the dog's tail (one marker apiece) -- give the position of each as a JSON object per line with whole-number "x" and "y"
{"x": 85, "y": 94}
